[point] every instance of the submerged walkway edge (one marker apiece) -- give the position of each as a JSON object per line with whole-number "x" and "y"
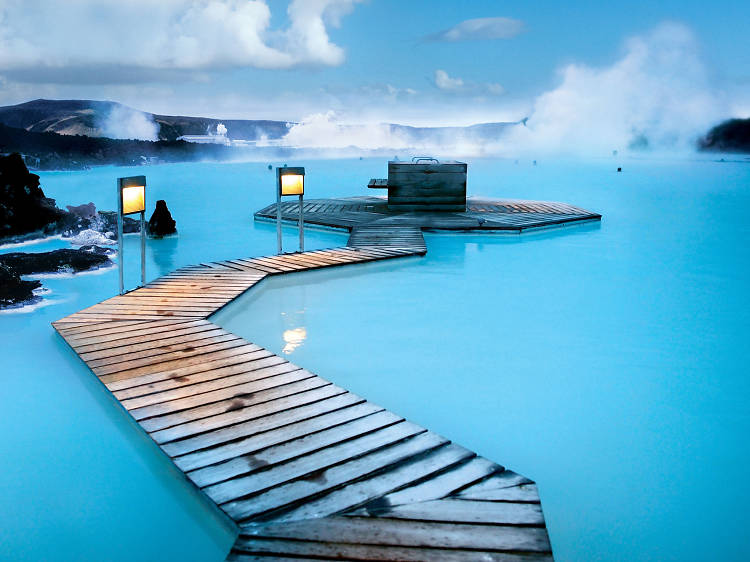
{"x": 306, "y": 469}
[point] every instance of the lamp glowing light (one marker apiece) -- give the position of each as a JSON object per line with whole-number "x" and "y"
{"x": 292, "y": 184}
{"x": 133, "y": 199}
{"x": 290, "y": 181}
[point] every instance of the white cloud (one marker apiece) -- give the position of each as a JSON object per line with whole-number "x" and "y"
{"x": 659, "y": 91}
{"x": 481, "y": 28}
{"x": 38, "y": 37}
{"x": 495, "y": 89}
{"x": 446, "y": 83}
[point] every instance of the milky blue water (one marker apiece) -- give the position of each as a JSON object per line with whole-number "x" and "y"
{"x": 607, "y": 362}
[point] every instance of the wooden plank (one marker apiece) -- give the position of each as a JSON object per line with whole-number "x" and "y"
{"x": 251, "y": 548}
{"x": 158, "y": 342}
{"x": 406, "y": 533}
{"x": 184, "y": 355}
{"x": 82, "y": 330}
{"x": 504, "y": 479}
{"x": 160, "y": 403}
{"x": 186, "y": 373}
{"x": 463, "y": 511}
{"x": 444, "y": 484}
{"x": 261, "y": 424}
{"x": 85, "y": 344}
{"x": 309, "y": 466}
{"x": 235, "y": 417}
{"x": 520, "y": 493}
{"x": 301, "y": 492}
{"x": 303, "y": 445}
{"x": 188, "y": 358}
{"x": 271, "y": 397}
{"x": 247, "y": 446}
{"x": 366, "y": 490}
{"x": 243, "y": 367}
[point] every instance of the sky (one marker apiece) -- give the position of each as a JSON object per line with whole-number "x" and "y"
{"x": 413, "y": 62}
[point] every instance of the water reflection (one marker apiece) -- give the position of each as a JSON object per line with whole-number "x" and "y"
{"x": 293, "y": 339}
{"x": 163, "y": 252}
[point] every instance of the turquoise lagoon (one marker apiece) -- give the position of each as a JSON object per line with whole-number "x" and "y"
{"x": 608, "y": 361}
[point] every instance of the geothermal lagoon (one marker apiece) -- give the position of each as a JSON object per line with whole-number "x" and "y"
{"x": 605, "y": 360}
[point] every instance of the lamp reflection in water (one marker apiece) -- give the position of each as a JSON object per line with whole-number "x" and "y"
{"x": 293, "y": 339}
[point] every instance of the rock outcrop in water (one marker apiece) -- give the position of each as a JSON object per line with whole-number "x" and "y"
{"x": 729, "y": 136}
{"x": 161, "y": 222}
{"x": 14, "y": 290}
{"x": 26, "y": 213}
{"x": 57, "y": 261}
{"x": 24, "y": 208}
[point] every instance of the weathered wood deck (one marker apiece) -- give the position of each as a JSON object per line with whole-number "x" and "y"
{"x": 484, "y": 215}
{"x": 306, "y": 469}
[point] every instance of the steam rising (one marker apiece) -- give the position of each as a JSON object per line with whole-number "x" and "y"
{"x": 657, "y": 95}
{"x": 126, "y": 123}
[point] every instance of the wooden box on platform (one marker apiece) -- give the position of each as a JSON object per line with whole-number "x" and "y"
{"x": 427, "y": 185}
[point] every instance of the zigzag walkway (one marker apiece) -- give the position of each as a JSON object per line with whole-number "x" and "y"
{"x": 306, "y": 469}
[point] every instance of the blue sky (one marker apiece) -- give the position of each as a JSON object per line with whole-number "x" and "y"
{"x": 377, "y": 60}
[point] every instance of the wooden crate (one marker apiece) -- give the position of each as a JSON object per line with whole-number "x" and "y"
{"x": 427, "y": 186}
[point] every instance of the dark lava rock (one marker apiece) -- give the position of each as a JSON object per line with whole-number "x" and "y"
{"x": 161, "y": 222}
{"x": 729, "y": 136}
{"x": 86, "y": 211}
{"x": 56, "y": 261}
{"x": 14, "y": 290}
{"x": 107, "y": 222}
{"x": 92, "y": 248}
{"x": 23, "y": 205}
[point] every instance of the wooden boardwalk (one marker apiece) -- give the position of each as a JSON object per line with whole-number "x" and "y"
{"x": 483, "y": 215}
{"x": 306, "y": 469}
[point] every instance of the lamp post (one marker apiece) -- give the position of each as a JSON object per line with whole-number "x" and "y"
{"x": 131, "y": 198}
{"x": 290, "y": 181}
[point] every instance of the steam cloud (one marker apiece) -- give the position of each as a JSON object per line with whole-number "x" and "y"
{"x": 324, "y": 130}
{"x": 126, "y": 123}
{"x": 657, "y": 95}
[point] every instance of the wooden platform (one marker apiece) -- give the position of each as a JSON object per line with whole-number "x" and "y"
{"x": 306, "y": 469}
{"x": 484, "y": 215}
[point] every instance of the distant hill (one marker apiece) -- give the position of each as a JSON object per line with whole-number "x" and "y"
{"x": 481, "y": 133}
{"x": 52, "y": 151}
{"x": 65, "y": 117}
{"x": 730, "y": 136}
{"x": 114, "y": 120}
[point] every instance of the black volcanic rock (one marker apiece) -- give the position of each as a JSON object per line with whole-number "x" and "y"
{"x": 85, "y": 211}
{"x": 161, "y": 222}
{"x": 56, "y": 261}
{"x": 730, "y": 136}
{"x": 107, "y": 222}
{"x": 14, "y": 290}
{"x": 23, "y": 206}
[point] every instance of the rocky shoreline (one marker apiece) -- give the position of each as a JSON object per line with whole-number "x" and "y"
{"x": 27, "y": 214}
{"x": 15, "y": 291}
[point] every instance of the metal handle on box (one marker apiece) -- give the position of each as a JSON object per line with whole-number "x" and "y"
{"x": 417, "y": 159}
